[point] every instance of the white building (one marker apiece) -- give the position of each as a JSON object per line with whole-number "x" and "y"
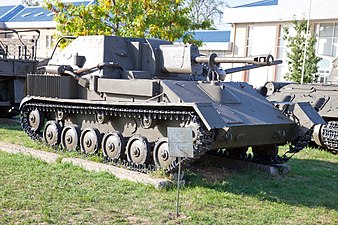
{"x": 19, "y": 17}
{"x": 257, "y": 29}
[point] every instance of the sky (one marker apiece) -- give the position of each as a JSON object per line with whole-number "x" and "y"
{"x": 230, "y": 2}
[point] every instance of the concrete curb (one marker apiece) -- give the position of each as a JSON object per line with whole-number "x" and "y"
{"x": 120, "y": 173}
{"x": 274, "y": 170}
{"x": 48, "y": 157}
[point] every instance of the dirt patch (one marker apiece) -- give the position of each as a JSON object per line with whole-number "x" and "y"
{"x": 177, "y": 220}
{"x": 135, "y": 220}
{"x": 212, "y": 174}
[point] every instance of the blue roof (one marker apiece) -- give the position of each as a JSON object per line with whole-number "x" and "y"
{"x": 212, "y": 35}
{"x": 259, "y": 3}
{"x": 7, "y": 12}
{"x": 36, "y": 13}
{"x": 30, "y": 14}
{"x": 5, "y": 9}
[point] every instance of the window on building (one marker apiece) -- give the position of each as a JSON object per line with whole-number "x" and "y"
{"x": 249, "y": 39}
{"x": 327, "y": 38}
{"x": 248, "y": 49}
{"x": 281, "y": 69}
{"x": 327, "y": 44}
{"x": 49, "y": 41}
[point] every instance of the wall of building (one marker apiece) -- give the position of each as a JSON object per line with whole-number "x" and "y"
{"x": 45, "y": 43}
{"x": 258, "y": 30}
{"x": 285, "y": 10}
{"x": 238, "y": 50}
{"x": 254, "y": 39}
{"x": 262, "y": 40}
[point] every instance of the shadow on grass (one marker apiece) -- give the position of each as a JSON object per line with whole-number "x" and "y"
{"x": 311, "y": 183}
{"x": 10, "y": 124}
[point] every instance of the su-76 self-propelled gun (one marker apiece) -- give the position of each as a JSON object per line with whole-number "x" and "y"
{"x": 121, "y": 94}
{"x": 324, "y": 99}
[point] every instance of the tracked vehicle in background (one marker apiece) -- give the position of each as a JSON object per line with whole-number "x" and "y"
{"x": 17, "y": 59}
{"x": 121, "y": 94}
{"x": 323, "y": 98}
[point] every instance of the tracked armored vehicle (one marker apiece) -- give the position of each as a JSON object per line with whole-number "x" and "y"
{"x": 17, "y": 59}
{"x": 121, "y": 94}
{"x": 324, "y": 99}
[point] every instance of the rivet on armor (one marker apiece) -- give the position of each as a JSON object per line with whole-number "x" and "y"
{"x": 240, "y": 137}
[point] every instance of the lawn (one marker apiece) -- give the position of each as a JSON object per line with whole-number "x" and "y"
{"x": 33, "y": 192}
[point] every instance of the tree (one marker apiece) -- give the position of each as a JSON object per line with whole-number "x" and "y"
{"x": 296, "y": 44}
{"x": 165, "y": 19}
{"x": 205, "y": 10}
{"x": 31, "y": 2}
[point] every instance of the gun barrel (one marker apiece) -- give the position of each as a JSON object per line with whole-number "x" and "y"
{"x": 257, "y": 60}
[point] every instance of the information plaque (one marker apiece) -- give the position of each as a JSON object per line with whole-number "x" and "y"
{"x": 180, "y": 142}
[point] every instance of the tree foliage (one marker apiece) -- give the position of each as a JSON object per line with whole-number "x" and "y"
{"x": 165, "y": 19}
{"x": 205, "y": 10}
{"x": 296, "y": 44}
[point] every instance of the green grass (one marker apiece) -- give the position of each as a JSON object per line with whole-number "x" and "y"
{"x": 33, "y": 192}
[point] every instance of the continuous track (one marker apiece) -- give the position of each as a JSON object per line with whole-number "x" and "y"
{"x": 201, "y": 144}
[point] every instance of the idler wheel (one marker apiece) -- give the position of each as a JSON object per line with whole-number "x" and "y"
{"x": 161, "y": 154}
{"x": 138, "y": 150}
{"x": 112, "y": 145}
{"x": 35, "y": 119}
{"x": 265, "y": 153}
{"x": 70, "y": 137}
{"x": 52, "y": 133}
{"x": 90, "y": 140}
